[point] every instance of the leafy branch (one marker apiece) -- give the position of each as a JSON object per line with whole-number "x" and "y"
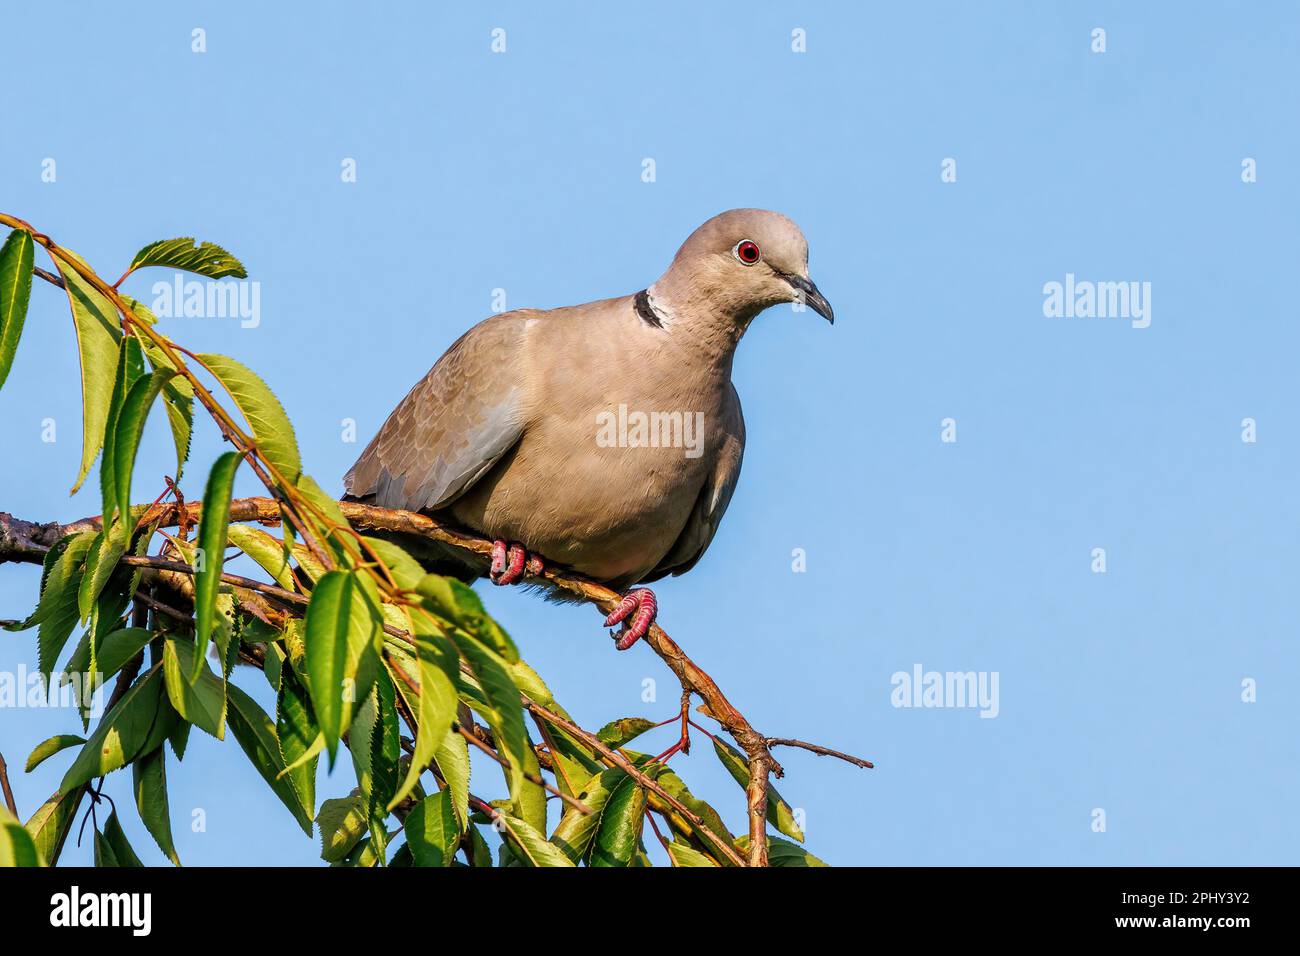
{"x": 352, "y": 635}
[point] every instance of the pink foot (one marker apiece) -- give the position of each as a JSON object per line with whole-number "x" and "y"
{"x": 635, "y": 625}
{"x": 510, "y": 564}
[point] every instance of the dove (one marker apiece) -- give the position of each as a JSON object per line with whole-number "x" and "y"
{"x": 605, "y": 438}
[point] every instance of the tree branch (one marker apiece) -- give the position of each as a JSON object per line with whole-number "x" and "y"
{"x": 27, "y": 541}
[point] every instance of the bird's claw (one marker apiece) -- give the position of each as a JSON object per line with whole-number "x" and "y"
{"x": 636, "y": 612}
{"x": 510, "y": 563}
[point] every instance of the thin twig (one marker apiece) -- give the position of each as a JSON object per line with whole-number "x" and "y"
{"x": 618, "y": 760}
{"x": 820, "y": 751}
{"x": 4, "y": 783}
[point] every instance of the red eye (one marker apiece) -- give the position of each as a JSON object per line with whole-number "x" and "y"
{"x": 747, "y": 252}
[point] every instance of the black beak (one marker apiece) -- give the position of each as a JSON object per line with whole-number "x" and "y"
{"x": 807, "y": 293}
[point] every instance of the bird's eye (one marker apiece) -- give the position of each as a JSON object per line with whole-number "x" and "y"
{"x": 747, "y": 252}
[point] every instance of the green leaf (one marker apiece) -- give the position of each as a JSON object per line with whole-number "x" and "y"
{"x": 620, "y": 826}
{"x": 505, "y": 717}
{"x": 149, "y": 779}
{"x": 432, "y": 831}
{"x": 256, "y": 734}
{"x": 300, "y": 738}
{"x": 201, "y": 700}
{"x": 123, "y": 855}
{"x": 407, "y": 571}
{"x": 130, "y": 369}
{"x": 343, "y": 635}
{"x": 137, "y": 724}
{"x": 203, "y": 258}
{"x": 51, "y": 822}
{"x": 684, "y": 855}
{"x": 778, "y": 811}
{"x": 58, "y": 612}
{"x": 783, "y": 853}
{"x": 101, "y": 561}
{"x": 17, "y": 848}
{"x": 529, "y": 846}
{"x": 620, "y": 733}
{"x": 126, "y": 438}
{"x": 457, "y": 603}
{"x": 342, "y": 824}
{"x": 438, "y": 665}
{"x": 267, "y": 552}
{"x": 263, "y": 411}
{"x": 214, "y": 522}
{"x": 104, "y": 855}
{"x": 576, "y": 829}
{"x": 49, "y": 747}
{"x": 17, "y": 257}
{"x": 178, "y": 398}
{"x": 375, "y": 747}
{"x": 98, "y": 333}
{"x": 452, "y": 759}
{"x": 113, "y": 651}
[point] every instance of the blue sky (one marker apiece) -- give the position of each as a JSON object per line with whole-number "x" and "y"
{"x": 522, "y": 171}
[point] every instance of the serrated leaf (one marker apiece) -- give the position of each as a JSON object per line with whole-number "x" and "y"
{"x": 49, "y": 747}
{"x": 17, "y": 257}
{"x": 114, "y": 836}
{"x": 620, "y": 826}
{"x": 504, "y": 715}
{"x": 130, "y": 369}
{"x": 128, "y": 430}
{"x": 256, "y": 734}
{"x": 432, "y": 831}
{"x": 98, "y": 334}
{"x": 202, "y": 258}
{"x": 438, "y": 664}
{"x": 113, "y": 651}
{"x": 149, "y": 783}
{"x": 50, "y": 824}
{"x": 456, "y": 602}
{"x": 342, "y": 635}
{"x": 452, "y": 760}
{"x": 621, "y": 732}
{"x": 137, "y": 724}
{"x": 214, "y": 522}
{"x": 529, "y": 846}
{"x": 783, "y": 853}
{"x": 685, "y": 855}
{"x": 779, "y": 813}
{"x": 266, "y": 552}
{"x": 58, "y": 612}
{"x": 375, "y": 748}
{"x": 202, "y": 700}
{"x": 17, "y": 848}
{"x": 576, "y": 829}
{"x": 101, "y": 561}
{"x": 406, "y": 571}
{"x": 262, "y": 410}
{"x": 300, "y": 738}
{"x": 342, "y": 824}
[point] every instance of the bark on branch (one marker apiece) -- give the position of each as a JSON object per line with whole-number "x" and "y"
{"x": 27, "y": 541}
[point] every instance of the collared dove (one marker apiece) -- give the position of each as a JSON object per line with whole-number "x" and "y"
{"x": 604, "y": 437}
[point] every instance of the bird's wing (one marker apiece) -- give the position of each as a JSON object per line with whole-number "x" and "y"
{"x": 713, "y": 498}
{"x": 453, "y": 426}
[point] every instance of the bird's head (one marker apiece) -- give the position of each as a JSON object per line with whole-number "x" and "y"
{"x": 743, "y": 261}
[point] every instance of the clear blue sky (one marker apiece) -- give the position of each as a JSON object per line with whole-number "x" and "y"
{"x": 522, "y": 171}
